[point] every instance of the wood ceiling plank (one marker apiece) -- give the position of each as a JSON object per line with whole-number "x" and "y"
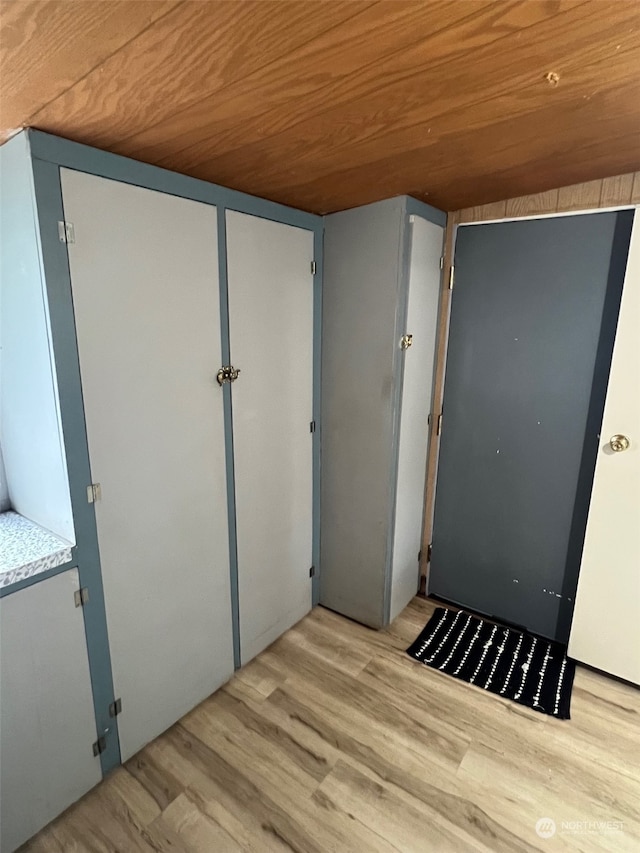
{"x": 501, "y": 82}
{"x": 72, "y": 38}
{"x": 326, "y": 105}
{"x": 338, "y": 67}
{"x": 374, "y": 90}
{"x": 197, "y": 51}
{"x": 540, "y": 151}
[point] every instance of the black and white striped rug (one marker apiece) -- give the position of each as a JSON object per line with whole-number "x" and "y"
{"x": 516, "y": 665}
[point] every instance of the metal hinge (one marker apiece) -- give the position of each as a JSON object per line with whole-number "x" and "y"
{"x": 66, "y": 233}
{"x": 312, "y": 572}
{"x": 81, "y": 596}
{"x": 451, "y": 276}
{"x": 313, "y": 267}
{"x": 312, "y": 426}
{"x": 94, "y": 492}
{"x": 439, "y": 425}
{"x": 429, "y": 551}
{"x": 100, "y": 745}
{"x": 441, "y": 262}
{"x": 115, "y": 708}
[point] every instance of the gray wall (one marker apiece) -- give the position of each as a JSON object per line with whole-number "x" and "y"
{"x": 362, "y": 276}
{"x": 30, "y": 431}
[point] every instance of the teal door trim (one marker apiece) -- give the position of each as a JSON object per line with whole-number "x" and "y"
{"x": 49, "y": 153}
{"x": 48, "y": 199}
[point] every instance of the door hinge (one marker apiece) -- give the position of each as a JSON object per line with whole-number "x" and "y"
{"x": 115, "y": 708}
{"x": 429, "y": 551}
{"x": 439, "y": 425}
{"x": 441, "y": 262}
{"x": 452, "y": 273}
{"x": 313, "y": 267}
{"x": 312, "y": 426}
{"x": 94, "y": 492}
{"x": 66, "y": 233}
{"x": 100, "y": 745}
{"x": 81, "y": 596}
{"x": 312, "y": 572}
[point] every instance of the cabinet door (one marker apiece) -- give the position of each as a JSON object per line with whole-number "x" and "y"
{"x": 144, "y": 275}
{"x": 271, "y": 335}
{"x": 417, "y": 392}
{"x": 47, "y": 725}
{"x": 605, "y": 632}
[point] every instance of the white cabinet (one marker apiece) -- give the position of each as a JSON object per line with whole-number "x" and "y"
{"x": 271, "y": 338}
{"x": 47, "y": 724}
{"x": 381, "y": 282}
{"x": 144, "y": 278}
{"x": 605, "y": 632}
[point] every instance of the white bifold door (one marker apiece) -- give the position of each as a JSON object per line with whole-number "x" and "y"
{"x": 605, "y": 632}
{"x": 144, "y": 276}
{"x": 271, "y": 339}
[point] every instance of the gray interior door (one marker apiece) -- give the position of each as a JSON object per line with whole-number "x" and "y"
{"x": 533, "y": 319}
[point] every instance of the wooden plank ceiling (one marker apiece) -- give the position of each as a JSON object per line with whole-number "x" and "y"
{"x": 327, "y": 105}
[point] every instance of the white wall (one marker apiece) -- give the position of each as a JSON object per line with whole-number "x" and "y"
{"x": 30, "y": 430}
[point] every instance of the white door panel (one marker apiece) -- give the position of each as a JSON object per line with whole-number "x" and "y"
{"x": 271, "y": 335}
{"x": 144, "y": 273}
{"x": 417, "y": 392}
{"x": 605, "y": 631}
{"x": 47, "y": 724}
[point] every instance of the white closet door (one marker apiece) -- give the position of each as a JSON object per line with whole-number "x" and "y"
{"x": 271, "y": 334}
{"x": 605, "y": 631}
{"x": 47, "y": 724}
{"x": 144, "y": 275}
{"x": 417, "y": 392}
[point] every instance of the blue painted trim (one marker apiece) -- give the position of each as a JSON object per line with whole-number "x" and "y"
{"x": 52, "y": 152}
{"x": 426, "y": 211}
{"x": 318, "y": 254}
{"x": 23, "y": 583}
{"x": 83, "y": 158}
{"x": 48, "y": 198}
{"x": 225, "y": 347}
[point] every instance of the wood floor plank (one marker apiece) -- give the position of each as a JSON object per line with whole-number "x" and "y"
{"x": 196, "y": 829}
{"x": 333, "y": 739}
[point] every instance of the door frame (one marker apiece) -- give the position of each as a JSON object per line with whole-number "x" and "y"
{"x": 48, "y": 153}
{"x": 453, "y": 224}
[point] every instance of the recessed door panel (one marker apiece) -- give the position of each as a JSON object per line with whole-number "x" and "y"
{"x": 271, "y": 337}
{"x": 144, "y": 274}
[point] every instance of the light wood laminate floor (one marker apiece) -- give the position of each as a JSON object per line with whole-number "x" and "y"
{"x": 334, "y": 740}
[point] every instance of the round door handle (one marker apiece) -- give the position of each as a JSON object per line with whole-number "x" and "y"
{"x": 618, "y": 443}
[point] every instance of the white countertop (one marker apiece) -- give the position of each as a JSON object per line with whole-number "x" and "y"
{"x": 27, "y": 549}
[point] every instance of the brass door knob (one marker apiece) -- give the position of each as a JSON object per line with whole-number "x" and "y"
{"x": 227, "y": 373}
{"x": 618, "y": 443}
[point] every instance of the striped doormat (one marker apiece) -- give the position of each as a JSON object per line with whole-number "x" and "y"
{"x": 510, "y": 663}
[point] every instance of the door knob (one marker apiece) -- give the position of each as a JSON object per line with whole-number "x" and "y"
{"x": 227, "y": 373}
{"x": 618, "y": 443}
